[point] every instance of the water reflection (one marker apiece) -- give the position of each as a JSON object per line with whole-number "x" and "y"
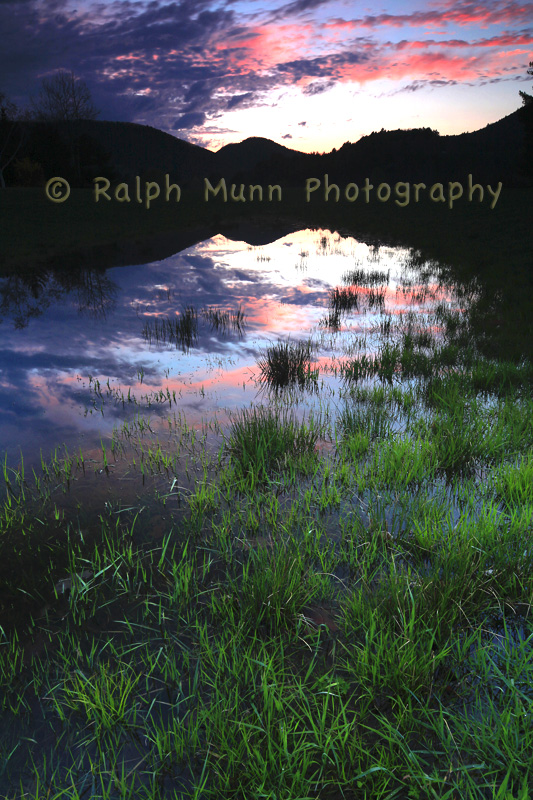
{"x": 191, "y": 328}
{"x": 28, "y": 295}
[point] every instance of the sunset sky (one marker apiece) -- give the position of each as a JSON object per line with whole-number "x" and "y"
{"x": 310, "y": 74}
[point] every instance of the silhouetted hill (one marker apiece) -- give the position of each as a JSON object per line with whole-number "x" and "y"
{"x": 122, "y": 150}
{"x": 493, "y": 154}
{"x": 498, "y": 146}
{"x": 140, "y": 149}
{"x": 251, "y": 152}
{"x": 116, "y": 150}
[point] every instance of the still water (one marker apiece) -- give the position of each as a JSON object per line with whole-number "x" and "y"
{"x": 71, "y": 342}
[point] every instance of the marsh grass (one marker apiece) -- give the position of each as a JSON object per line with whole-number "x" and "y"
{"x": 344, "y": 299}
{"x": 287, "y": 363}
{"x": 370, "y": 422}
{"x": 343, "y": 623}
{"x": 223, "y": 320}
{"x": 263, "y": 440}
{"x": 499, "y": 378}
{"x": 332, "y": 320}
{"x": 360, "y": 277}
{"x": 273, "y": 589}
{"x": 181, "y": 331}
{"x": 214, "y": 679}
{"x": 514, "y": 483}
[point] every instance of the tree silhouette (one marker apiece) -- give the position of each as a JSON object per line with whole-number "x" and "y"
{"x": 8, "y": 110}
{"x": 527, "y": 99}
{"x": 27, "y": 295}
{"x": 64, "y": 100}
{"x": 12, "y": 135}
{"x": 527, "y": 121}
{"x": 64, "y": 97}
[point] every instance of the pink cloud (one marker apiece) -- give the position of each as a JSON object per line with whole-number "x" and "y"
{"x": 462, "y": 13}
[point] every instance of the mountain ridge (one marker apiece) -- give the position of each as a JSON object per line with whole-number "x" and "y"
{"x": 123, "y": 150}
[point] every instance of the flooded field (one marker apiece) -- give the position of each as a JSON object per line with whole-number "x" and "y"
{"x": 266, "y": 526}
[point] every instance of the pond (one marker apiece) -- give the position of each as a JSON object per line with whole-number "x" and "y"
{"x": 192, "y": 326}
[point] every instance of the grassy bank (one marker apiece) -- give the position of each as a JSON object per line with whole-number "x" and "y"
{"x": 336, "y": 608}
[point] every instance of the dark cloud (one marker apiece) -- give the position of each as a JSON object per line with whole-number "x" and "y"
{"x": 191, "y": 120}
{"x": 318, "y": 87}
{"x": 328, "y": 66}
{"x": 199, "y": 92}
{"x": 199, "y": 261}
{"x": 499, "y": 40}
{"x": 297, "y": 297}
{"x": 303, "y": 124}
{"x": 239, "y": 99}
{"x": 142, "y": 63}
{"x": 461, "y": 12}
{"x": 297, "y": 7}
{"x": 287, "y": 136}
{"x": 503, "y": 79}
{"x": 180, "y": 64}
{"x": 315, "y": 283}
{"x": 415, "y": 86}
{"x": 174, "y": 66}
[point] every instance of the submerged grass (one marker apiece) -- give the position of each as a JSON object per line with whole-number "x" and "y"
{"x": 219, "y": 678}
{"x": 360, "y": 277}
{"x": 344, "y": 299}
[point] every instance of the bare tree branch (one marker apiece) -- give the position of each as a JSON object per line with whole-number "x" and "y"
{"x": 64, "y": 97}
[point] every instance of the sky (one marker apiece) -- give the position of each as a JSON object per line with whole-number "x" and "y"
{"x": 309, "y": 74}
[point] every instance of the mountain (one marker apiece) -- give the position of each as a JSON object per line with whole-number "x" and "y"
{"x": 494, "y": 153}
{"x": 251, "y": 152}
{"x": 138, "y": 149}
{"x": 122, "y": 150}
{"x": 116, "y": 150}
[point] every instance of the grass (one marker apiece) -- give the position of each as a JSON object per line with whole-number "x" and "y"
{"x": 343, "y": 299}
{"x": 334, "y": 609}
{"x": 223, "y": 675}
{"x": 223, "y": 320}
{"x": 514, "y": 482}
{"x": 263, "y": 440}
{"x": 182, "y": 331}
{"x": 360, "y": 277}
{"x": 286, "y": 363}
{"x": 214, "y": 672}
{"x": 332, "y": 320}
